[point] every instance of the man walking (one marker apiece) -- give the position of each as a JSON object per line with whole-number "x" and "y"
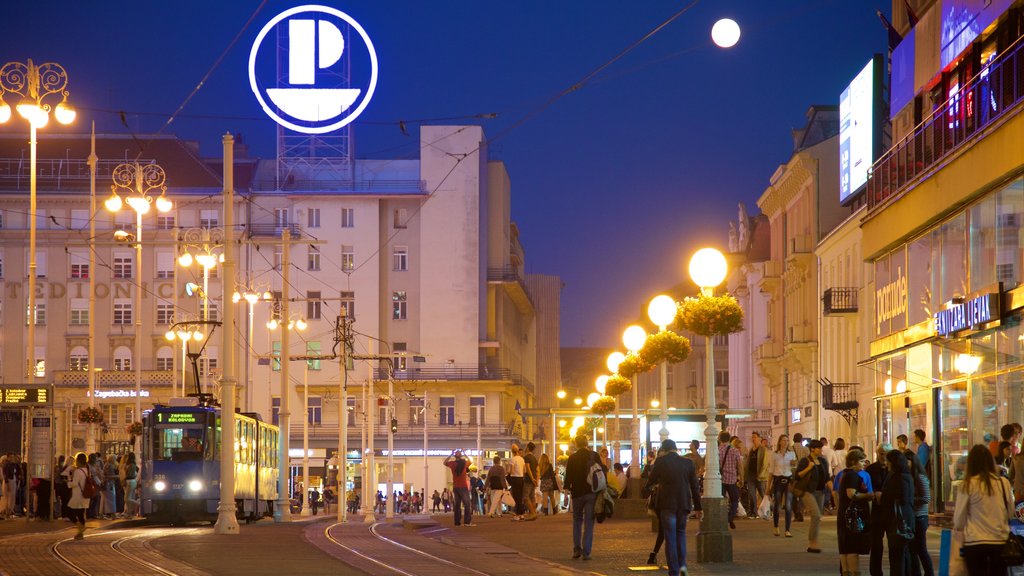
{"x": 577, "y": 468}
{"x": 530, "y": 481}
{"x": 678, "y": 494}
{"x": 516, "y": 467}
{"x": 801, "y": 452}
{"x": 729, "y": 461}
{"x": 460, "y": 483}
{"x": 923, "y": 451}
{"x": 756, "y": 474}
{"x": 812, "y": 475}
{"x": 877, "y": 471}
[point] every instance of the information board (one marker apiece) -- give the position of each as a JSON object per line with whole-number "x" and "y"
{"x": 24, "y": 396}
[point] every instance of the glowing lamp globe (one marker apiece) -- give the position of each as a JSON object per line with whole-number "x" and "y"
{"x": 662, "y": 311}
{"x": 655, "y": 403}
{"x": 614, "y": 359}
{"x": 65, "y": 113}
{"x": 725, "y": 33}
{"x": 708, "y": 268}
{"x": 5, "y": 111}
{"x": 577, "y": 421}
{"x": 600, "y": 383}
{"x": 633, "y": 338}
{"x": 577, "y": 400}
{"x": 592, "y": 397}
{"x": 560, "y": 394}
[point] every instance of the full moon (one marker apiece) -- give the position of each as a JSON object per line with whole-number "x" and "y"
{"x": 725, "y": 33}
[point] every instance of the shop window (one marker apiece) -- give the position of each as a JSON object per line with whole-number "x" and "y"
{"x": 956, "y": 441}
{"x": 1009, "y": 221}
{"x": 982, "y": 222}
{"x": 954, "y": 259}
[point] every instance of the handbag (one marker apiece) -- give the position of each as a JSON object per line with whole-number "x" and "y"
{"x": 904, "y": 529}
{"x": 854, "y": 520}
{"x": 1012, "y": 551}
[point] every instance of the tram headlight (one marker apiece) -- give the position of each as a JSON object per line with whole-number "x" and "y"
{"x": 160, "y": 485}
{"x": 195, "y": 485}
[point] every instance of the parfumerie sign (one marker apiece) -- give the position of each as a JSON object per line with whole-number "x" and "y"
{"x": 967, "y": 314}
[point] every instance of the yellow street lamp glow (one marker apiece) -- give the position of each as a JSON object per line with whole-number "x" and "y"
{"x": 573, "y": 431}
{"x": 577, "y": 400}
{"x": 206, "y": 260}
{"x": 600, "y": 430}
{"x": 592, "y": 397}
{"x": 163, "y": 204}
{"x": 633, "y": 338}
{"x": 708, "y": 267}
{"x": 725, "y": 33}
{"x": 300, "y": 324}
{"x": 577, "y": 421}
{"x": 113, "y": 204}
{"x": 251, "y": 297}
{"x": 967, "y": 363}
{"x": 197, "y": 335}
{"x": 185, "y": 259}
{"x": 138, "y": 203}
{"x": 236, "y": 297}
{"x": 655, "y": 403}
{"x": 272, "y": 324}
{"x": 562, "y": 423}
{"x": 662, "y": 311}
{"x": 5, "y": 111}
{"x": 64, "y": 112}
{"x": 563, "y": 447}
{"x": 560, "y": 394}
{"x": 614, "y": 359}
{"x": 169, "y": 336}
{"x": 600, "y": 383}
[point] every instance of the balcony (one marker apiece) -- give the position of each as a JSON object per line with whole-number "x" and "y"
{"x": 271, "y": 230}
{"x": 406, "y": 431}
{"x": 841, "y": 398}
{"x": 768, "y": 350}
{"x": 508, "y": 276}
{"x": 419, "y": 372}
{"x": 771, "y": 281}
{"x": 113, "y": 378}
{"x": 836, "y": 301}
{"x": 987, "y": 97}
{"x": 343, "y": 186}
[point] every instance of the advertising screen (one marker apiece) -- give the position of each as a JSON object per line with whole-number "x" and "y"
{"x": 856, "y": 131}
{"x": 964, "y": 20}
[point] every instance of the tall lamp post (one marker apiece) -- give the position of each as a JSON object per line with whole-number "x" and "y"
{"x": 34, "y": 83}
{"x": 661, "y": 311}
{"x": 714, "y": 542}
{"x": 633, "y": 339}
{"x": 251, "y": 297}
{"x": 135, "y": 181}
{"x": 282, "y": 512}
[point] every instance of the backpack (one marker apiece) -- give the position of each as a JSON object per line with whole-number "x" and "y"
{"x": 89, "y": 489}
{"x": 596, "y": 478}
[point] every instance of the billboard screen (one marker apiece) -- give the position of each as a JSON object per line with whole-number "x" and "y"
{"x": 964, "y": 20}
{"x": 857, "y": 131}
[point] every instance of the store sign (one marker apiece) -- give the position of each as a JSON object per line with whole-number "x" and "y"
{"x": 968, "y": 314}
{"x": 24, "y": 396}
{"x": 308, "y": 95}
{"x": 891, "y": 299}
{"x": 119, "y": 394}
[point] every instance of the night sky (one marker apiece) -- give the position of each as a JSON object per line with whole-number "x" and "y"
{"x": 614, "y": 185}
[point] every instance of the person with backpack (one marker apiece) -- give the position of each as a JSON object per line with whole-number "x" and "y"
{"x": 580, "y": 479}
{"x": 497, "y": 486}
{"x": 82, "y": 489}
{"x": 811, "y": 478}
{"x": 678, "y": 494}
{"x": 460, "y": 481}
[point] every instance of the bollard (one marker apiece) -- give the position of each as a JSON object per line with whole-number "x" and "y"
{"x": 945, "y": 545}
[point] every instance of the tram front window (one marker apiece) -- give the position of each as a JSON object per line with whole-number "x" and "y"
{"x": 177, "y": 444}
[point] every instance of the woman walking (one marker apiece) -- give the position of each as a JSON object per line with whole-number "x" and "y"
{"x": 131, "y": 483}
{"x": 897, "y": 504}
{"x": 982, "y": 509}
{"x": 78, "y": 503}
{"x": 854, "y": 514}
{"x": 782, "y": 473}
{"x": 920, "y": 559}
{"x": 548, "y": 484}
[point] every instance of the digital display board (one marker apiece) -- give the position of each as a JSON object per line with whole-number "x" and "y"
{"x": 177, "y": 418}
{"x": 24, "y": 396}
{"x": 858, "y": 124}
{"x": 965, "y": 20}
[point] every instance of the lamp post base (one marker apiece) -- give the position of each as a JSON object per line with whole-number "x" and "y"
{"x": 714, "y": 541}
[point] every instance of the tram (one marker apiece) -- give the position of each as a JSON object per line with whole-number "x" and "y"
{"x": 180, "y": 472}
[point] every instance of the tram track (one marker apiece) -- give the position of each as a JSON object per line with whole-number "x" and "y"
{"x": 414, "y": 562}
{"x": 95, "y": 558}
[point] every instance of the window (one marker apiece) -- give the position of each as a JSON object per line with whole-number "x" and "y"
{"x": 416, "y": 411}
{"x": 40, "y": 314}
{"x": 164, "y": 313}
{"x": 208, "y": 364}
{"x": 477, "y": 412}
{"x": 79, "y": 260}
{"x": 399, "y": 349}
{"x": 382, "y": 411}
{"x": 209, "y": 219}
{"x": 122, "y": 266}
{"x": 110, "y": 413}
{"x": 313, "y": 218}
{"x": 348, "y": 304}
{"x": 123, "y": 220}
{"x": 280, "y": 217}
{"x": 401, "y": 218}
{"x": 40, "y": 361}
{"x": 313, "y": 259}
{"x": 722, "y": 378}
{"x": 721, "y": 340}
{"x": 348, "y": 217}
{"x": 122, "y": 359}
{"x": 40, "y": 264}
{"x": 278, "y": 257}
{"x": 79, "y": 219}
{"x": 165, "y": 359}
{"x": 313, "y": 349}
{"x": 212, "y": 311}
{"x": 313, "y": 305}
{"x": 78, "y": 360}
{"x": 165, "y": 222}
{"x": 275, "y": 409}
{"x": 41, "y": 219}
{"x": 276, "y": 352}
{"x": 348, "y": 258}
{"x": 165, "y": 265}
{"x": 398, "y": 306}
{"x": 400, "y": 258}
{"x": 314, "y": 410}
{"x": 447, "y": 415}
{"x": 351, "y": 412}
{"x": 122, "y": 311}
{"x": 79, "y": 312}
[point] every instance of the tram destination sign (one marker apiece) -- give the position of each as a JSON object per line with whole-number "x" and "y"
{"x": 25, "y": 396}
{"x": 967, "y": 314}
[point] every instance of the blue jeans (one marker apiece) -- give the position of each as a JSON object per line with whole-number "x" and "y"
{"x": 733, "y": 492}
{"x": 583, "y": 523}
{"x": 462, "y": 501}
{"x": 673, "y": 526}
{"x": 781, "y": 496}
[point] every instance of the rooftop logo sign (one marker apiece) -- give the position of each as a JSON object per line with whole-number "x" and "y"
{"x": 309, "y": 96}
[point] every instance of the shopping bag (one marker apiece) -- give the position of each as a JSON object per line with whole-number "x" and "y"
{"x": 764, "y": 509}
{"x": 740, "y": 510}
{"x": 507, "y": 499}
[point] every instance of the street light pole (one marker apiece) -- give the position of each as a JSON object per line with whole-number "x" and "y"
{"x": 661, "y": 311}
{"x": 227, "y": 523}
{"x": 633, "y": 339}
{"x": 90, "y": 444}
{"x": 282, "y": 513}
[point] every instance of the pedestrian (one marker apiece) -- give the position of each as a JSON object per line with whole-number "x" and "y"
{"x": 131, "y": 490}
{"x": 78, "y": 503}
{"x": 577, "y": 470}
{"x": 60, "y": 487}
{"x": 516, "y": 470}
{"x": 811, "y": 477}
{"x": 982, "y": 509}
{"x": 652, "y": 505}
{"x": 853, "y": 513}
{"x": 328, "y": 499}
{"x": 549, "y": 485}
{"x": 729, "y": 460}
{"x": 923, "y": 451}
{"x": 801, "y": 452}
{"x": 678, "y": 494}
{"x": 758, "y": 471}
{"x": 1007, "y": 433}
{"x": 902, "y": 443}
{"x": 897, "y": 503}
{"x": 460, "y": 481}
{"x": 96, "y": 470}
{"x": 920, "y": 559}
{"x": 497, "y": 486}
{"x": 696, "y": 458}
{"x": 838, "y": 460}
{"x": 782, "y": 462}
{"x": 878, "y": 472}
{"x": 621, "y": 480}
{"x": 436, "y": 499}
{"x": 108, "y": 495}
{"x": 828, "y": 506}
{"x": 314, "y": 500}
{"x": 531, "y": 480}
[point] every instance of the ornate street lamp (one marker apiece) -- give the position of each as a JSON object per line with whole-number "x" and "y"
{"x": 633, "y": 339}
{"x": 661, "y": 311}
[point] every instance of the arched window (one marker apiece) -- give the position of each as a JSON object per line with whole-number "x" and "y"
{"x": 122, "y": 359}
{"x": 78, "y": 360}
{"x": 165, "y": 358}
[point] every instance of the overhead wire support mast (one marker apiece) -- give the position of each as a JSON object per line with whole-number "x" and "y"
{"x": 389, "y": 510}
{"x": 343, "y": 335}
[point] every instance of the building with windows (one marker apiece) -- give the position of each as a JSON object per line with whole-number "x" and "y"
{"x": 422, "y": 254}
